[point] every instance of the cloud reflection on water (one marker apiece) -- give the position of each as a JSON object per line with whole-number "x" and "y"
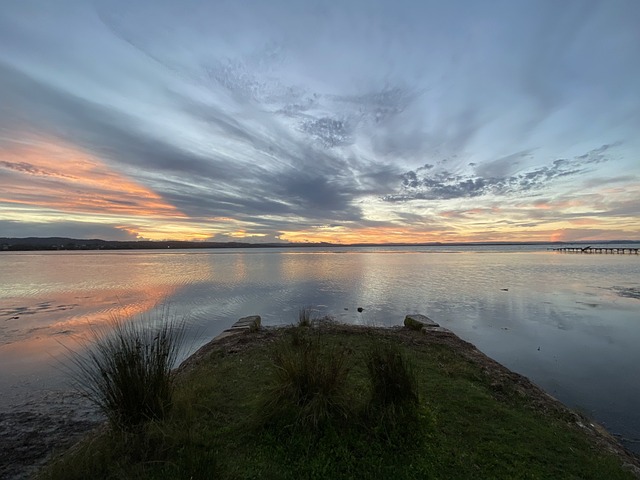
{"x": 555, "y": 318}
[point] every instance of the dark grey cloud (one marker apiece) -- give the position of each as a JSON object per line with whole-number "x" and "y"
{"x": 625, "y": 208}
{"x": 45, "y": 111}
{"x": 289, "y": 113}
{"x": 445, "y": 185}
{"x": 222, "y": 186}
{"x": 70, "y": 229}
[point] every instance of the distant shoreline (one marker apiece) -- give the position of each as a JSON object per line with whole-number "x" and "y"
{"x": 63, "y": 243}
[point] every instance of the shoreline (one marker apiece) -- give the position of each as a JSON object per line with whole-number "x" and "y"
{"x": 232, "y": 339}
{"x": 42, "y": 244}
{"x": 36, "y": 449}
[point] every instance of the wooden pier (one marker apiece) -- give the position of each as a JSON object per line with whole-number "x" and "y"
{"x": 590, "y": 249}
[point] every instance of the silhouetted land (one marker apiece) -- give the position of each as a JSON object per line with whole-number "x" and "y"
{"x": 63, "y": 243}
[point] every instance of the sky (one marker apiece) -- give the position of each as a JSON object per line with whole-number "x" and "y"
{"x": 304, "y": 121}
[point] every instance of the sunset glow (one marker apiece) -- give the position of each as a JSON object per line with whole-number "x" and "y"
{"x": 251, "y": 122}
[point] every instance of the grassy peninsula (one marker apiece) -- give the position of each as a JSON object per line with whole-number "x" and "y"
{"x": 333, "y": 401}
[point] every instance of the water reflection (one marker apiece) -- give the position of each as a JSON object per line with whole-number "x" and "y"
{"x": 566, "y": 321}
{"x": 50, "y": 302}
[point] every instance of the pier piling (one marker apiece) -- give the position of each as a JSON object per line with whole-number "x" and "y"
{"x": 590, "y": 249}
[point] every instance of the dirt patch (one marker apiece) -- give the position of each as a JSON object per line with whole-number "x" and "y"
{"x": 30, "y": 432}
{"x": 28, "y": 438}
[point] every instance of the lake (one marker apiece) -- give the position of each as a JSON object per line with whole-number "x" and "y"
{"x": 569, "y": 322}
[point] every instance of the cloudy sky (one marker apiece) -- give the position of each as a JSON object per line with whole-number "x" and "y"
{"x": 342, "y": 121}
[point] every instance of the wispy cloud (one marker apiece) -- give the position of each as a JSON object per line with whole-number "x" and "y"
{"x": 60, "y": 177}
{"x": 310, "y": 120}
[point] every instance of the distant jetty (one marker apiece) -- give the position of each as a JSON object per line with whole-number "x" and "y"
{"x": 590, "y": 249}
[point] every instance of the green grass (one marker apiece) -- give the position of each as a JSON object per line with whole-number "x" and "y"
{"x": 393, "y": 405}
{"x": 462, "y": 425}
{"x": 308, "y": 387}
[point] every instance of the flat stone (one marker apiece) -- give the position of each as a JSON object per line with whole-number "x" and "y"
{"x": 252, "y": 321}
{"x": 418, "y": 322}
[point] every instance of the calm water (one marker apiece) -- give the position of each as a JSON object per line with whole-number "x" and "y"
{"x": 569, "y": 322}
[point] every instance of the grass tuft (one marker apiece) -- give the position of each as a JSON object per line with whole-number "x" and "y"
{"x": 309, "y": 387}
{"x": 304, "y": 317}
{"x": 127, "y": 370}
{"x": 393, "y": 380}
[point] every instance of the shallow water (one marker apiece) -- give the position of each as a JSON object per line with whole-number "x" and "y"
{"x": 570, "y": 322}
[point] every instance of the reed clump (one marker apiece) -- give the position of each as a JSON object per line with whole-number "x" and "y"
{"x": 309, "y": 384}
{"x": 127, "y": 369}
{"x": 304, "y": 317}
{"x": 393, "y": 407}
{"x": 393, "y": 380}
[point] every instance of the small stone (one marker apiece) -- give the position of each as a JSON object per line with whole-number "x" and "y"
{"x": 252, "y": 322}
{"x": 418, "y": 322}
{"x": 360, "y": 309}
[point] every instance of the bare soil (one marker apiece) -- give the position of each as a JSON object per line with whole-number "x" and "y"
{"x": 31, "y": 432}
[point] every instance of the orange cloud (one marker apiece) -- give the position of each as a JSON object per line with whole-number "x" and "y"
{"x": 383, "y": 234}
{"x": 163, "y": 231}
{"x": 56, "y": 176}
{"x": 557, "y": 205}
{"x": 45, "y": 181}
{"x": 589, "y": 228}
{"x": 585, "y": 221}
{"x": 558, "y": 236}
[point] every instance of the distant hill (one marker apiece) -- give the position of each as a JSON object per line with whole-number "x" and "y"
{"x": 64, "y": 243}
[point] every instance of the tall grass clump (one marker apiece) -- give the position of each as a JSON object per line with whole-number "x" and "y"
{"x": 309, "y": 385}
{"x": 304, "y": 317}
{"x": 394, "y": 388}
{"x": 127, "y": 369}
